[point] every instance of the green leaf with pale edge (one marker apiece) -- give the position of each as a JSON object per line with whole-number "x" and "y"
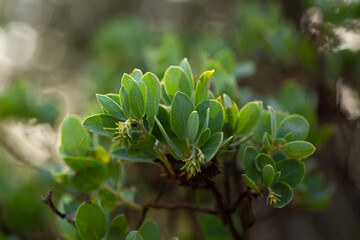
{"x": 114, "y": 97}
{"x": 187, "y": 69}
{"x": 175, "y": 151}
{"x": 249, "y": 156}
{"x": 118, "y": 228}
{"x": 204, "y": 136}
{"x": 276, "y": 177}
{"x": 299, "y": 149}
{"x": 263, "y": 159}
{"x": 181, "y": 108}
{"x": 88, "y": 173}
{"x": 248, "y": 117}
{"x": 124, "y": 101}
{"x": 232, "y": 116}
{"x": 111, "y": 107}
{"x": 150, "y": 231}
{"x": 216, "y": 116}
{"x": 210, "y": 148}
{"x": 152, "y": 96}
{"x": 292, "y": 171}
{"x": 142, "y": 157}
{"x": 285, "y": 192}
{"x": 202, "y": 87}
{"x": 90, "y": 221}
{"x": 177, "y": 81}
{"x": 273, "y": 123}
{"x": 75, "y": 140}
{"x": 192, "y": 126}
{"x": 295, "y": 124}
{"x": 96, "y": 124}
{"x": 134, "y": 235}
{"x": 164, "y": 96}
{"x": 135, "y": 95}
{"x": 250, "y": 183}
{"x": 143, "y": 144}
{"x": 267, "y": 175}
{"x": 136, "y": 74}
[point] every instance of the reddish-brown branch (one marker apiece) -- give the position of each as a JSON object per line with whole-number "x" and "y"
{"x": 48, "y": 201}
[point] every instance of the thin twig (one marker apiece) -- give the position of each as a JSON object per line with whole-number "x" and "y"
{"x": 48, "y": 201}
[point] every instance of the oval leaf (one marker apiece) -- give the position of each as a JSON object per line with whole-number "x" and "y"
{"x": 262, "y": 160}
{"x": 299, "y": 149}
{"x": 152, "y": 96}
{"x": 90, "y": 221}
{"x": 295, "y": 124}
{"x": 111, "y": 107}
{"x": 181, "y": 108}
{"x": 249, "y": 156}
{"x": 250, "y": 183}
{"x": 150, "y": 231}
{"x": 202, "y": 87}
{"x": 292, "y": 171}
{"x": 285, "y": 193}
{"x": 118, "y": 228}
{"x": 75, "y": 140}
{"x": 192, "y": 126}
{"x": 177, "y": 81}
{"x": 210, "y": 148}
{"x": 216, "y": 116}
{"x": 96, "y": 124}
{"x": 135, "y": 95}
{"x": 248, "y": 117}
{"x": 267, "y": 175}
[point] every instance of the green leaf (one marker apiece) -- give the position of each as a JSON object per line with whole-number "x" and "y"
{"x": 114, "y": 97}
{"x": 249, "y": 156}
{"x": 192, "y": 126}
{"x": 136, "y": 74}
{"x": 143, "y": 144}
{"x": 292, "y": 171}
{"x": 295, "y": 124}
{"x": 164, "y": 95}
{"x": 152, "y": 96}
{"x": 216, "y": 116}
{"x": 276, "y": 177}
{"x": 267, "y": 175}
{"x": 232, "y": 116}
{"x": 187, "y": 69}
{"x": 75, "y": 140}
{"x": 125, "y": 102}
{"x": 88, "y": 173}
{"x": 176, "y": 80}
{"x": 299, "y": 149}
{"x": 175, "y": 151}
{"x": 135, "y": 95}
{"x": 111, "y": 107}
{"x": 107, "y": 199}
{"x": 96, "y": 124}
{"x": 202, "y": 87}
{"x": 262, "y": 160}
{"x": 90, "y": 221}
{"x": 273, "y": 123}
{"x": 204, "y": 136}
{"x": 210, "y": 148}
{"x": 122, "y": 154}
{"x": 118, "y": 228}
{"x": 181, "y": 108}
{"x": 250, "y": 183}
{"x": 285, "y": 192}
{"x": 150, "y": 231}
{"x": 248, "y": 117}
{"x": 134, "y": 235}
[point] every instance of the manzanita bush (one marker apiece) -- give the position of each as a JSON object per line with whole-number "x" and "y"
{"x": 178, "y": 124}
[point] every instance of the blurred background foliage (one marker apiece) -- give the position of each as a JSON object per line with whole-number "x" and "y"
{"x": 300, "y": 56}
